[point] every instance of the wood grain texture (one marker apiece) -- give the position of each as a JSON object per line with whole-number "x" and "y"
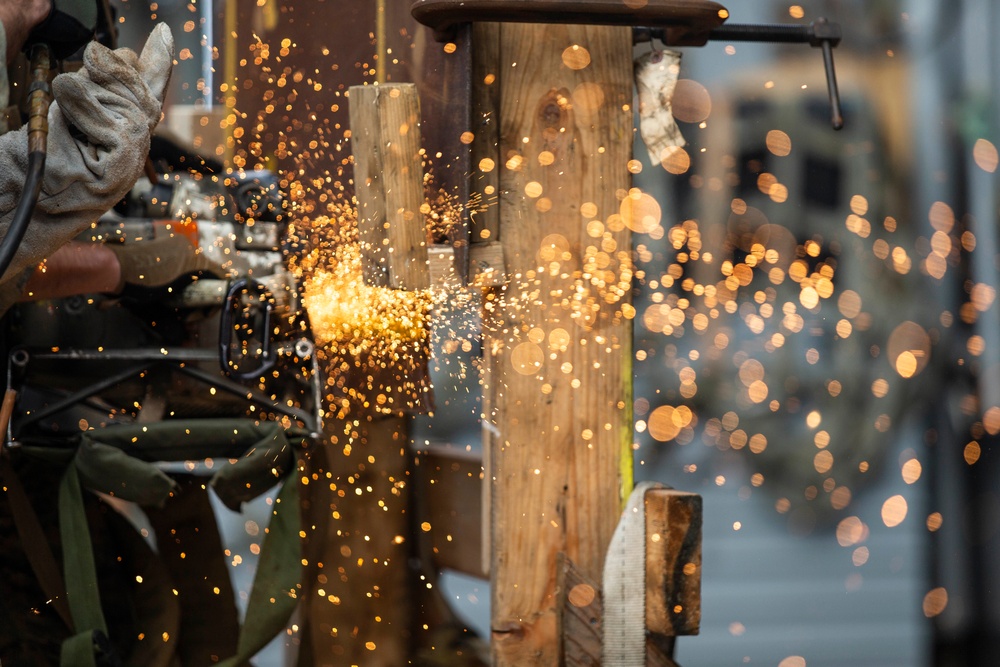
{"x": 448, "y": 483}
{"x": 558, "y": 345}
{"x": 580, "y": 614}
{"x": 673, "y": 562}
{"x": 388, "y": 175}
{"x": 485, "y": 162}
{"x": 362, "y": 545}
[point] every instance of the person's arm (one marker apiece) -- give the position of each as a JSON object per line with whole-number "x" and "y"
{"x": 75, "y": 268}
{"x": 19, "y": 17}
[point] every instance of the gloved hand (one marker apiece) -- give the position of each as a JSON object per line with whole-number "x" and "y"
{"x": 99, "y": 132}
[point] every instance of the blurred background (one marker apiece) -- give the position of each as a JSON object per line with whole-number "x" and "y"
{"x": 836, "y": 403}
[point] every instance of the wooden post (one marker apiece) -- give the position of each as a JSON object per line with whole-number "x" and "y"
{"x": 559, "y": 339}
{"x": 388, "y": 177}
{"x": 362, "y": 608}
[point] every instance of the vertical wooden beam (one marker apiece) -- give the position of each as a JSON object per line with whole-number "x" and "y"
{"x": 361, "y": 607}
{"x": 560, "y": 342}
{"x": 388, "y": 177}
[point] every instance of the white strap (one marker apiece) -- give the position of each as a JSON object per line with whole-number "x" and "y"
{"x": 624, "y": 585}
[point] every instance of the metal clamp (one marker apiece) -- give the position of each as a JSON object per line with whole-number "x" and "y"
{"x": 674, "y": 22}
{"x": 227, "y": 327}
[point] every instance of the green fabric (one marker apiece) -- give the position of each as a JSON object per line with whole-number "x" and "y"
{"x": 78, "y": 557}
{"x": 262, "y": 455}
{"x": 78, "y": 651}
{"x": 274, "y": 595}
{"x": 110, "y": 470}
{"x": 119, "y": 460}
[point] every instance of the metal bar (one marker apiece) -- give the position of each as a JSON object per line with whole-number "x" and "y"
{"x": 250, "y": 394}
{"x": 78, "y": 396}
{"x": 172, "y": 354}
{"x": 443, "y": 16}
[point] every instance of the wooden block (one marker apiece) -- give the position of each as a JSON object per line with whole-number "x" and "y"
{"x": 441, "y": 264}
{"x": 486, "y": 264}
{"x": 449, "y": 483}
{"x": 673, "y": 562}
{"x": 388, "y": 176}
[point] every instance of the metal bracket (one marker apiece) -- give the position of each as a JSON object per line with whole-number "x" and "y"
{"x": 674, "y": 22}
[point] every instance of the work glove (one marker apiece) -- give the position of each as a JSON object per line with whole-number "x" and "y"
{"x": 99, "y": 133}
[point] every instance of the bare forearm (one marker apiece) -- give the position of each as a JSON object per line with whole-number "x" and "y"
{"x": 75, "y": 268}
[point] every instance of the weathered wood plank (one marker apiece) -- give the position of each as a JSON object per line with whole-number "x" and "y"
{"x": 579, "y": 616}
{"x": 388, "y": 175}
{"x": 361, "y": 607}
{"x": 673, "y": 562}
{"x": 485, "y": 148}
{"x": 448, "y": 489}
{"x": 580, "y": 613}
{"x": 559, "y": 345}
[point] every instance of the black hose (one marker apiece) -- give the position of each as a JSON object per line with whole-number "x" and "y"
{"x": 39, "y": 97}
{"x": 24, "y": 210}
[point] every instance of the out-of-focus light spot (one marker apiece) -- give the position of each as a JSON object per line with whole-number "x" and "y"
{"x": 640, "y": 212}
{"x": 860, "y": 556}
{"x": 576, "y": 57}
{"x": 823, "y": 461}
{"x": 450, "y": 47}
{"x": 972, "y": 452}
{"x": 813, "y": 419}
{"x": 778, "y": 143}
{"x": 822, "y": 440}
{"x": 934, "y": 521}
{"x": 691, "y": 102}
{"x": 737, "y": 629}
{"x": 859, "y": 205}
{"x": 894, "y": 511}
{"x": 935, "y": 602}
{"x": 942, "y": 217}
{"x": 840, "y": 498}
{"x": 909, "y": 349}
{"x": 986, "y": 156}
{"x": 793, "y": 661}
{"x": 675, "y": 160}
{"x": 982, "y": 296}
{"x": 976, "y": 345}
{"x": 851, "y": 531}
{"x": 757, "y": 391}
{"x": 991, "y": 420}
{"x": 912, "y": 471}
{"x": 486, "y": 165}
{"x": 581, "y": 595}
{"x": 796, "y": 11}
{"x": 533, "y": 189}
{"x": 880, "y": 388}
{"x": 527, "y": 358}
{"x": 809, "y": 298}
